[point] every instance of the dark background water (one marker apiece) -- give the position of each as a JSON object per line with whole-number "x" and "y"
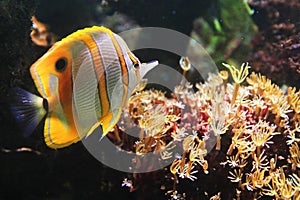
{"x": 269, "y": 39}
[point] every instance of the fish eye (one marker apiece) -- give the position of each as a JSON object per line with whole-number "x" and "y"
{"x": 136, "y": 65}
{"x": 61, "y": 64}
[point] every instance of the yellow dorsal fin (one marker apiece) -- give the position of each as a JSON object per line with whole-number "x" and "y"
{"x": 78, "y": 34}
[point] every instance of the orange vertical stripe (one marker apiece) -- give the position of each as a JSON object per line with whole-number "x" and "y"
{"x": 100, "y": 73}
{"x": 132, "y": 57}
{"x": 123, "y": 65}
{"x": 121, "y": 58}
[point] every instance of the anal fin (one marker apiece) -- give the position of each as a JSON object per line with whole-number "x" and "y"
{"x": 108, "y": 122}
{"x": 57, "y": 134}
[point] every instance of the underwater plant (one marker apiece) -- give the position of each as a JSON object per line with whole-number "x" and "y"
{"x": 248, "y": 132}
{"x": 226, "y": 35}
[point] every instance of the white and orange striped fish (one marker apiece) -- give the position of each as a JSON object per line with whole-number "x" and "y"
{"x": 84, "y": 80}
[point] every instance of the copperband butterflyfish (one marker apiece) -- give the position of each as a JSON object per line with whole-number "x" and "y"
{"x": 84, "y": 81}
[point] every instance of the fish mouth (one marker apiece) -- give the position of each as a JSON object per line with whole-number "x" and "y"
{"x": 146, "y": 67}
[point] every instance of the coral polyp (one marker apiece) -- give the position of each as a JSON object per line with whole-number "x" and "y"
{"x": 250, "y": 132}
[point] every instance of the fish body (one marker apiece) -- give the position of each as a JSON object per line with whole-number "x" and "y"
{"x": 86, "y": 79}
